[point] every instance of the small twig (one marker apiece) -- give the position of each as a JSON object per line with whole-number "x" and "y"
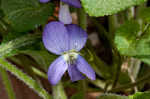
{"x": 131, "y": 13}
{"x": 134, "y": 66}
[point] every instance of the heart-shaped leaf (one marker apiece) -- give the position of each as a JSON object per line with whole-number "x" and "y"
{"x": 107, "y": 7}
{"x": 24, "y": 15}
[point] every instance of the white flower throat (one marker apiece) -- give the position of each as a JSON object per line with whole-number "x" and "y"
{"x": 70, "y": 57}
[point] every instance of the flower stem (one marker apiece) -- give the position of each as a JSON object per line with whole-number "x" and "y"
{"x": 82, "y": 21}
{"x": 113, "y": 25}
{"x": 58, "y": 91}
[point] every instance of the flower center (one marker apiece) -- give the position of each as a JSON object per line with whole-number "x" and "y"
{"x": 70, "y": 56}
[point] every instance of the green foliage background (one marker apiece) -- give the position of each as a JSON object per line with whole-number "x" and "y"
{"x": 126, "y": 39}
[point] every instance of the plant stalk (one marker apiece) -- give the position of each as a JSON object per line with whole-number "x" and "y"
{"x": 58, "y": 91}
{"x": 82, "y": 21}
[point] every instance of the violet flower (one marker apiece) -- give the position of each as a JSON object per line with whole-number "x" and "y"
{"x": 67, "y": 41}
{"x": 75, "y": 3}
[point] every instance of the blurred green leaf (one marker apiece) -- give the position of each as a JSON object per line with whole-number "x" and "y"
{"x": 107, "y": 7}
{"x": 140, "y": 95}
{"x": 2, "y": 27}
{"x": 24, "y": 15}
{"x": 78, "y": 95}
{"x": 145, "y": 59}
{"x": 142, "y": 45}
{"x": 125, "y": 38}
{"x": 12, "y": 47}
{"x": 144, "y": 13}
{"x": 129, "y": 43}
{"x": 124, "y": 78}
{"x": 1, "y": 13}
{"x": 112, "y": 96}
{"x": 11, "y": 35}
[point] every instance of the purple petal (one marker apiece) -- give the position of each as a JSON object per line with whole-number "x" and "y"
{"x": 85, "y": 68}
{"x": 77, "y": 37}
{"x": 74, "y": 73}
{"x": 56, "y": 70}
{"x": 64, "y": 14}
{"x": 44, "y": 1}
{"x": 75, "y": 3}
{"x": 55, "y": 37}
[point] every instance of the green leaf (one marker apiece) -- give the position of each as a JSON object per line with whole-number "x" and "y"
{"x": 24, "y": 15}
{"x": 2, "y": 27}
{"x": 124, "y": 78}
{"x": 112, "y": 96}
{"x": 140, "y": 95}
{"x": 130, "y": 43}
{"x": 125, "y": 38}
{"x": 144, "y": 14}
{"x": 11, "y": 48}
{"x": 107, "y": 7}
{"x": 1, "y": 13}
{"x": 25, "y": 78}
{"x": 145, "y": 59}
{"x": 78, "y": 95}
